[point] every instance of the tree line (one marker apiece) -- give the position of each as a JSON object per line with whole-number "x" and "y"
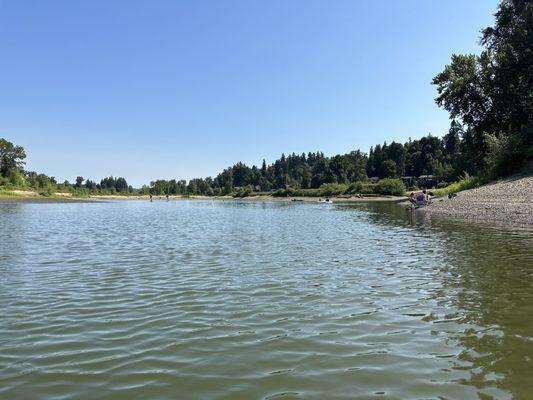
{"x": 13, "y": 176}
{"x": 429, "y": 155}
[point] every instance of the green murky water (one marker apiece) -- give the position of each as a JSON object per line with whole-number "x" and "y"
{"x": 250, "y": 300}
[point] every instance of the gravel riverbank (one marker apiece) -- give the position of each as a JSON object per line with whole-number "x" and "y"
{"x": 508, "y": 201}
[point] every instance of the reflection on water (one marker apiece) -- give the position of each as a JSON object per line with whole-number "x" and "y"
{"x": 242, "y": 300}
{"x": 490, "y": 272}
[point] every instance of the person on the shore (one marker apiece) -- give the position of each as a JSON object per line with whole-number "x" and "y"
{"x": 412, "y": 199}
{"x": 422, "y": 199}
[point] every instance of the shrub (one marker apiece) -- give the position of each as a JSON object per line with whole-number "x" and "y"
{"x": 511, "y": 154}
{"x": 17, "y": 180}
{"x": 332, "y": 189}
{"x": 46, "y": 191}
{"x": 361, "y": 188}
{"x": 4, "y": 182}
{"x": 80, "y": 192}
{"x": 356, "y": 187}
{"x": 280, "y": 193}
{"x": 242, "y": 191}
{"x": 464, "y": 183}
{"x": 390, "y": 186}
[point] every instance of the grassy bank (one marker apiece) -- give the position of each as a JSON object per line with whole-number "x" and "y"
{"x": 8, "y": 193}
{"x": 465, "y": 183}
{"x": 26, "y": 196}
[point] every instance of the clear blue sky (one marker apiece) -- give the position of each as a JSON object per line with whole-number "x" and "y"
{"x": 181, "y": 89}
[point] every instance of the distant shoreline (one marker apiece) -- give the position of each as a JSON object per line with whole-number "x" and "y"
{"x": 41, "y": 199}
{"x": 19, "y": 196}
{"x": 308, "y": 199}
{"x": 508, "y": 201}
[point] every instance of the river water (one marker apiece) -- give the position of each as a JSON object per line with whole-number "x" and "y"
{"x": 193, "y": 299}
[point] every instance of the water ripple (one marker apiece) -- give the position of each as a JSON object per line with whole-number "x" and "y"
{"x": 242, "y": 300}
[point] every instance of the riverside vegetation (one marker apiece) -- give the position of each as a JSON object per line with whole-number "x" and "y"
{"x": 490, "y": 100}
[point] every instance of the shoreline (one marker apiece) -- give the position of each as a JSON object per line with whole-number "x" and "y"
{"x": 307, "y": 199}
{"x": 508, "y": 201}
{"x": 42, "y": 199}
{"x": 21, "y": 196}
{"x": 26, "y": 196}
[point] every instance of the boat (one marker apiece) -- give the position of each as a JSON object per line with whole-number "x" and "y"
{"x": 327, "y": 200}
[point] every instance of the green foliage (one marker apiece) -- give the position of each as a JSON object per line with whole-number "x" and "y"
{"x": 388, "y": 186}
{"x": 462, "y": 88}
{"x": 12, "y": 176}
{"x": 17, "y": 179}
{"x": 79, "y": 181}
{"x": 361, "y": 188}
{"x": 464, "y": 183}
{"x": 511, "y": 153}
{"x": 429, "y": 155}
{"x": 46, "y": 191}
{"x": 81, "y": 192}
{"x": 64, "y": 188}
{"x": 41, "y": 183}
{"x": 388, "y": 168}
{"x": 492, "y": 94}
{"x": 332, "y": 189}
{"x": 305, "y": 171}
{"x": 113, "y": 185}
{"x": 284, "y": 193}
{"x": 7, "y": 193}
{"x": 242, "y": 191}
{"x": 354, "y": 188}
{"x": 11, "y": 158}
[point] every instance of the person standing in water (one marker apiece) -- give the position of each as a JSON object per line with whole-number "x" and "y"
{"x": 150, "y": 197}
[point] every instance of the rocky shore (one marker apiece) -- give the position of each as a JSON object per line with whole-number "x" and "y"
{"x": 508, "y": 201}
